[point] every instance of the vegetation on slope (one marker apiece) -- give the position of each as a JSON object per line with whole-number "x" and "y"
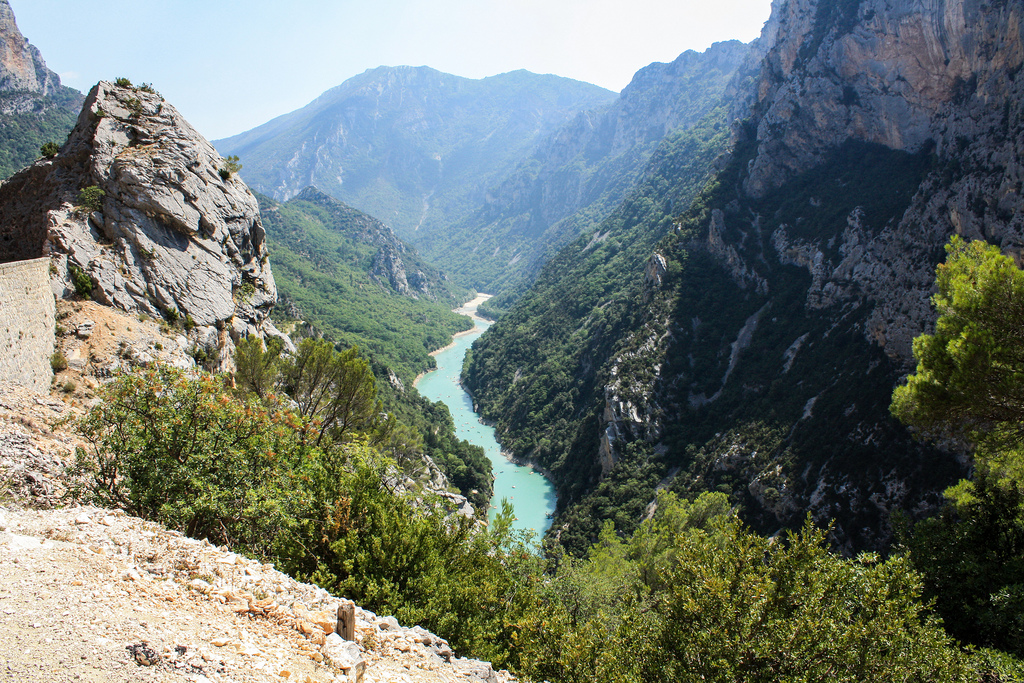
{"x": 33, "y": 120}
{"x": 576, "y": 177}
{"x": 548, "y": 371}
{"x": 331, "y": 264}
{"x": 692, "y": 595}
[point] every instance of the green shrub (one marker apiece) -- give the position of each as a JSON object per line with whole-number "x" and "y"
{"x": 122, "y": 82}
{"x": 81, "y": 280}
{"x": 58, "y": 361}
{"x": 175, "y": 448}
{"x": 134, "y": 105}
{"x": 69, "y": 387}
{"x": 91, "y": 197}
{"x": 49, "y": 149}
{"x": 231, "y": 165}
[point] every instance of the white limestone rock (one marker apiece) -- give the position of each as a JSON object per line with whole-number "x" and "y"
{"x": 174, "y": 234}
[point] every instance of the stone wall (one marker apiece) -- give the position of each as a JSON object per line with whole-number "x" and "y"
{"x": 27, "y": 320}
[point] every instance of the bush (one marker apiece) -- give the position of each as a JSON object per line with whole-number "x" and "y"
{"x": 49, "y": 149}
{"x": 176, "y": 449}
{"x": 231, "y": 165}
{"x": 81, "y": 280}
{"x": 122, "y": 82}
{"x": 134, "y": 105}
{"x": 91, "y": 197}
{"x": 58, "y": 361}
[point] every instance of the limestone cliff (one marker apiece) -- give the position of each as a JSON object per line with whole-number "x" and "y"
{"x": 34, "y": 107}
{"x": 169, "y": 230}
{"x": 761, "y": 356}
{"x": 21, "y": 64}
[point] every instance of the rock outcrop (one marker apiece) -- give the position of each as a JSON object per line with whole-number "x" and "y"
{"x": 140, "y": 209}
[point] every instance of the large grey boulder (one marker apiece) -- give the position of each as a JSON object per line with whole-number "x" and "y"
{"x": 175, "y": 233}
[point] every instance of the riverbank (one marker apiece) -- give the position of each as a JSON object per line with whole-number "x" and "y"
{"x": 468, "y": 308}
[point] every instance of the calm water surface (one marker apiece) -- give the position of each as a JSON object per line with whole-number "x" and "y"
{"x": 532, "y": 496}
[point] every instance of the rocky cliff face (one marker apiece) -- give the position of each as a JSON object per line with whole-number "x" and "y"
{"x": 766, "y": 348}
{"x": 906, "y": 75}
{"x": 34, "y": 107}
{"x": 140, "y": 209}
{"x": 21, "y": 65}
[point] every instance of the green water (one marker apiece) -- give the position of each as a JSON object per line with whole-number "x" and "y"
{"x": 531, "y": 494}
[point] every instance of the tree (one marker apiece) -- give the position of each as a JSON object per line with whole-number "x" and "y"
{"x": 175, "y": 448}
{"x": 231, "y": 165}
{"x": 256, "y": 368}
{"x": 338, "y": 389}
{"x": 969, "y": 382}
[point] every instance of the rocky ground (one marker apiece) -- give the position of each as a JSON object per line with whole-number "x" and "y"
{"x": 94, "y": 595}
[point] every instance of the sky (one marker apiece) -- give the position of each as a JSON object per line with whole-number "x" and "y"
{"x": 231, "y": 65}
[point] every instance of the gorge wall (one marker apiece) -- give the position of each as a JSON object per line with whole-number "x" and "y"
{"x": 749, "y": 341}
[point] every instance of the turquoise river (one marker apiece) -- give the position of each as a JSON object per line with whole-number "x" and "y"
{"x": 531, "y": 494}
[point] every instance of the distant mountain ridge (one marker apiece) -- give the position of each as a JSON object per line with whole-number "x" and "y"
{"x": 576, "y": 176}
{"x": 411, "y": 145}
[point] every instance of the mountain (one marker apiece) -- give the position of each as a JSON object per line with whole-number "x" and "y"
{"x": 575, "y": 177}
{"x": 34, "y": 107}
{"x": 348, "y": 276}
{"x": 412, "y": 146}
{"x": 746, "y": 337}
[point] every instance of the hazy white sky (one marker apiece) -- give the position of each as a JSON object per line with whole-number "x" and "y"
{"x": 230, "y": 65}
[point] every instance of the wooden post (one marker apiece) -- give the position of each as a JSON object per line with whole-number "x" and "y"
{"x": 347, "y": 620}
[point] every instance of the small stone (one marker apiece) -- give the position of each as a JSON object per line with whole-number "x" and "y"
{"x": 220, "y": 642}
{"x": 83, "y": 519}
{"x": 84, "y": 329}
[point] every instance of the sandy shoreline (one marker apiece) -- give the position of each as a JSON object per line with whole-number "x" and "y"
{"x": 468, "y": 308}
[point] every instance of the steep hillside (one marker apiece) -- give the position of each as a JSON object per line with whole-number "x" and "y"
{"x": 413, "y": 146}
{"x": 750, "y": 342}
{"x": 577, "y": 176}
{"x": 348, "y": 275}
{"x": 34, "y": 107}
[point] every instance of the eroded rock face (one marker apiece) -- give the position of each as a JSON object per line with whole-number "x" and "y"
{"x": 21, "y": 65}
{"x": 174, "y": 234}
{"x": 891, "y": 72}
